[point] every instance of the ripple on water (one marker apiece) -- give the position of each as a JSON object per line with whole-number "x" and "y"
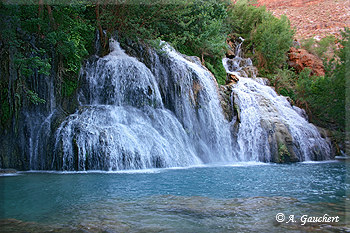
{"x": 169, "y": 213}
{"x": 234, "y": 198}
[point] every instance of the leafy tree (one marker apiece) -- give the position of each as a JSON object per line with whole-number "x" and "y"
{"x": 37, "y": 38}
{"x": 195, "y": 27}
{"x": 267, "y": 38}
{"x": 273, "y": 38}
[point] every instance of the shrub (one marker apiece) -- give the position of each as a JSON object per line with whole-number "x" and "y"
{"x": 217, "y": 68}
{"x": 284, "y": 82}
{"x": 268, "y": 37}
{"x": 324, "y": 98}
{"x": 323, "y": 48}
{"x": 273, "y": 38}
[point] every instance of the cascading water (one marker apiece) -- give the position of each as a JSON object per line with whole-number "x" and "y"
{"x": 237, "y": 64}
{"x": 132, "y": 118}
{"x": 268, "y": 128}
{"x": 168, "y": 114}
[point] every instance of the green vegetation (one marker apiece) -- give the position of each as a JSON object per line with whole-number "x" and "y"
{"x": 195, "y": 28}
{"x": 38, "y": 40}
{"x": 322, "y": 97}
{"x": 42, "y": 40}
{"x": 283, "y": 153}
{"x": 323, "y": 48}
{"x": 327, "y": 94}
{"x": 267, "y": 37}
{"x": 69, "y": 86}
{"x": 5, "y": 107}
{"x": 216, "y": 67}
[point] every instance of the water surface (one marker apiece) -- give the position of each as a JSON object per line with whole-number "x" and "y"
{"x": 236, "y": 197}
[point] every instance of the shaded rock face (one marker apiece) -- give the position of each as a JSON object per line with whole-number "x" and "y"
{"x": 227, "y": 104}
{"x": 299, "y": 59}
{"x": 280, "y": 141}
{"x": 33, "y": 126}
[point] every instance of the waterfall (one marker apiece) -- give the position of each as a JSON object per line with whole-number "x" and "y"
{"x": 268, "y": 128}
{"x": 134, "y": 117}
{"x": 168, "y": 114}
{"x": 238, "y": 65}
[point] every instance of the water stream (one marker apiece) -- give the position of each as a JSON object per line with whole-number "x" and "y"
{"x": 268, "y": 125}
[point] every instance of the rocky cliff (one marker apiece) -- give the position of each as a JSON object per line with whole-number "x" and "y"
{"x": 312, "y": 18}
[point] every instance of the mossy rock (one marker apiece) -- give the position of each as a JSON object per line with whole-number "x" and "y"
{"x": 283, "y": 153}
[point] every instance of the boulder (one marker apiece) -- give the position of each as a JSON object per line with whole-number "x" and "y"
{"x": 225, "y": 92}
{"x": 231, "y": 42}
{"x": 299, "y": 59}
{"x": 280, "y": 141}
{"x": 231, "y": 79}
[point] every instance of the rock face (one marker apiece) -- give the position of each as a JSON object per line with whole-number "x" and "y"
{"x": 312, "y": 17}
{"x": 229, "y": 109}
{"x": 299, "y": 59}
{"x": 33, "y": 126}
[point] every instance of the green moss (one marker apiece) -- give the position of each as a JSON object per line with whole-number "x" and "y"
{"x": 5, "y": 109}
{"x": 283, "y": 153}
{"x": 218, "y": 70}
{"x": 69, "y": 87}
{"x": 5, "y": 112}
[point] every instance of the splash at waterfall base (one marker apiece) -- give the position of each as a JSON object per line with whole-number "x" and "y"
{"x": 142, "y": 108}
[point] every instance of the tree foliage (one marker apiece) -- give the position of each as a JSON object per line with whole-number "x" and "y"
{"x": 195, "y": 27}
{"x": 38, "y": 40}
{"x": 267, "y": 38}
{"x": 324, "y": 98}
